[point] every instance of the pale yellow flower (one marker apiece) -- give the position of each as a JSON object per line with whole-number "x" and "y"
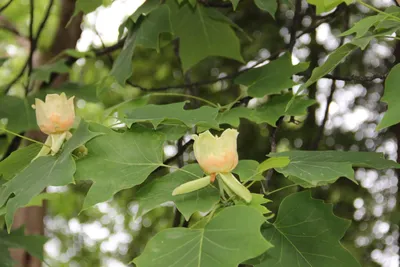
{"x": 56, "y": 115}
{"x": 216, "y": 154}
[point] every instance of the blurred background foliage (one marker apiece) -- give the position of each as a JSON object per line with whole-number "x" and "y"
{"x": 110, "y": 234}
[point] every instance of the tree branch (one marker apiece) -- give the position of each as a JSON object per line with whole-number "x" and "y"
{"x": 215, "y": 4}
{"x": 5, "y": 6}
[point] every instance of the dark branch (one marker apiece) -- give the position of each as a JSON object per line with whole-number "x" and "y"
{"x": 208, "y": 3}
{"x": 5, "y": 6}
{"x": 31, "y": 39}
{"x": 14, "y": 145}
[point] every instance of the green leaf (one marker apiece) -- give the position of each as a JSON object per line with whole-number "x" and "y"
{"x": 18, "y": 112}
{"x": 235, "y": 3}
{"x": 315, "y": 168}
{"x": 86, "y": 6}
{"x": 3, "y": 60}
{"x": 247, "y": 171}
{"x": 118, "y": 161}
{"x": 43, "y": 172}
{"x": 145, "y": 9}
{"x": 392, "y": 98}
{"x": 33, "y": 244}
{"x": 160, "y": 190}
{"x": 43, "y": 73}
{"x": 144, "y": 32}
{"x": 150, "y": 29}
{"x": 270, "y": 112}
{"x": 157, "y": 114}
{"x": 306, "y": 234}
{"x": 212, "y": 38}
{"x": 230, "y": 238}
{"x": 271, "y": 78}
{"x": 257, "y": 202}
{"x": 267, "y": 5}
{"x": 17, "y": 161}
{"x": 330, "y": 64}
{"x": 327, "y": 5}
{"x": 122, "y": 67}
{"x": 361, "y": 27}
{"x": 278, "y": 162}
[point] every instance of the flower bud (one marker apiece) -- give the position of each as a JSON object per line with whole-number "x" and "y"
{"x": 56, "y": 114}
{"x": 216, "y": 154}
{"x": 191, "y": 186}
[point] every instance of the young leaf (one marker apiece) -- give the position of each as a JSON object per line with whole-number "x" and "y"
{"x": 267, "y": 5}
{"x": 306, "y": 234}
{"x": 33, "y": 244}
{"x": 157, "y": 114}
{"x": 392, "y": 98}
{"x": 315, "y": 168}
{"x": 118, "y": 161}
{"x": 160, "y": 191}
{"x": 43, "y": 172}
{"x": 257, "y": 202}
{"x": 330, "y": 64}
{"x": 230, "y": 238}
{"x": 234, "y": 3}
{"x": 271, "y": 78}
{"x": 212, "y": 38}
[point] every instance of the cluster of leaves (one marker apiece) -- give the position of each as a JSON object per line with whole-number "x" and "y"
{"x": 132, "y": 152}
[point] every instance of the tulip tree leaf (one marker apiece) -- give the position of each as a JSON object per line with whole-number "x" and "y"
{"x": 118, "y": 161}
{"x": 315, "y": 168}
{"x": 160, "y": 190}
{"x": 145, "y": 9}
{"x": 42, "y": 172}
{"x": 306, "y": 234}
{"x": 247, "y": 171}
{"x": 327, "y": 5}
{"x": 235, "y": 3}
{"x": 18, "y": 160}
{"x": 267, "y": 5}
{"x": 157, "y": 114}
{"x": 145, "y": 33}
{"x": 227, "y": 240}
{"x": 271, "y": 78}
{"x": 213, "y": 37}
{"x": 33, "y": 244}
{"x": 269, "y": 112}
{"x": 17, "y": 121}
{"x": 43, "y": 73}
{"x": 391, "y": 97}
{"x": 330, "y": 64}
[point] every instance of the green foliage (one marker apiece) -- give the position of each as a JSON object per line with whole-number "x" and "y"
{"x": 271, "y": 78}
{"x": 306, "y": 233}
{"x": 316, "y": 168}
{"x": 87, "y": 6}
{"x": 112, "y": 167}
{"x": 17, "y": 239}
{"x": 43, "y": 73}
{"x": 270, "y": 112}
{"x": 213, "y": 37}
{"x": 42, "y": 172}
{"x": 267, "y": 5}
{"x": 391, "y": 97}
{"x": 170, "y": 113}
{"x": 17, "y": 121}
{"x": 17, "y": 161}
{"x": 327, "y": 5}
{"x": 333, "y": 60}
{"x": 160, "y": 190}
{"x": 228, "y": 239}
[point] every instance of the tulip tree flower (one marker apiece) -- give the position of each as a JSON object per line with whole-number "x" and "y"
{"x": 216, "y": 156}
{"x": 55, "y": 117}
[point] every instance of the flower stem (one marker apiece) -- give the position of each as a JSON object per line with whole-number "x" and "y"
{"x": 279, "y": 189}
{"x": 23, "y": 137}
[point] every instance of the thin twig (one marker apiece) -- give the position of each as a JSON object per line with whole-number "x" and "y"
{"x": 5, "y": 6}
{"x": 31, "y": 38}
{"x": 215, "y": 4}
